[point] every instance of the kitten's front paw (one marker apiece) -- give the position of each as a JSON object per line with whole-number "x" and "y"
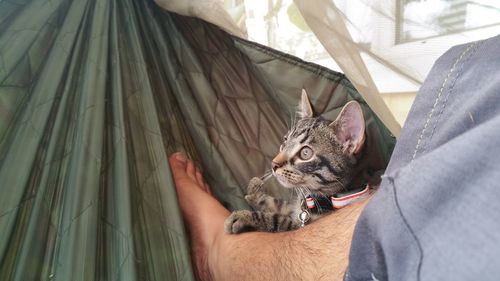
{"x": 239, "y": 221}
{"x": 254, "y": 185}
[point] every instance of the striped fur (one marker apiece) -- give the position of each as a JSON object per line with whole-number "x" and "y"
{"x": 316, "y": 157}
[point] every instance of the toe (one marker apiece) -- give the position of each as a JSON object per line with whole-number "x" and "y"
{"x": 191, "y": 170}
{"x": 178, "y": 159}
{"x": 178, "y": 164}
{"x": 207, "y": 188}
{"x": 199, "y": 179}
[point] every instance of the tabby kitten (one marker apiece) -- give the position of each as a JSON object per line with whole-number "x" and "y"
{"x": 317, "y": 158}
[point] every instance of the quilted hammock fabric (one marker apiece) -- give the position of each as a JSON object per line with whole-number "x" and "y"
{"x": 94, "y": 97}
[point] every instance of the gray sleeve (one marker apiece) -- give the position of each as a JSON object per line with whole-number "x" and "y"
{"x": 436, "y": 215}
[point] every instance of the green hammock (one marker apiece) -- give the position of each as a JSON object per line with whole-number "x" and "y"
{"x": 94, "y": 97}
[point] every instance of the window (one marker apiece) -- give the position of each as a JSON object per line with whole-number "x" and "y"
{"x": 423, "y": 19}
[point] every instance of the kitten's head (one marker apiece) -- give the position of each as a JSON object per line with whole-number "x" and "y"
{"x": 318, "y": 154}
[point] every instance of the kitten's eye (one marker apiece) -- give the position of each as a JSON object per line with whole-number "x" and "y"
{"x": 285, "y": 138}
{"x": 305, "y": 153}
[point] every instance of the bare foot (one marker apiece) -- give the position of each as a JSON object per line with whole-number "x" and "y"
{"x": 203, "y": 215}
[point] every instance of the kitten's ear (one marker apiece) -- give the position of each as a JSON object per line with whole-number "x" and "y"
{"x": 350, "y": 128}
{"x": 304, "y": 109}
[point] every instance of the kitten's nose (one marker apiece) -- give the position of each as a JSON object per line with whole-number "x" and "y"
{"x": 278, "y": 161}
{"x": 276, "y": 165}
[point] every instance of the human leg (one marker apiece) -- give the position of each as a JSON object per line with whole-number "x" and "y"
{"x": 435, "y": 213}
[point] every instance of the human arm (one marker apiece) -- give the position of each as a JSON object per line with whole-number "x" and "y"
{"x": 318, "y": 251}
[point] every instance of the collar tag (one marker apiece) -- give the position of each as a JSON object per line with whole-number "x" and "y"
{"x": 304, "y": 217}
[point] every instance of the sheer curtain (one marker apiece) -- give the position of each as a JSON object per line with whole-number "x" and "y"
{"x": 386, "y": 48}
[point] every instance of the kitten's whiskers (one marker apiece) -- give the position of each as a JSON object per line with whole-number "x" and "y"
{"x": 267, "y": 175}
